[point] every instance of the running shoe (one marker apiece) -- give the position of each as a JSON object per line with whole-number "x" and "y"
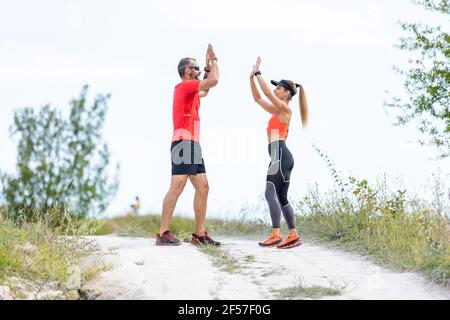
{"x": 196, "y": 240}
{"x": 291, "y": 241}
{"x": 167, "y": 239}
{"x": 274, "y": 239}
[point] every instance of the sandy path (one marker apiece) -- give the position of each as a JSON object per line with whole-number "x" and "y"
{"x": 141, "y": 270}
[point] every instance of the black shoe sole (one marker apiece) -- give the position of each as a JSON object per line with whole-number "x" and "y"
{"x": 271, "y": 244}
{"x": 289, "y": 243}
{"x": 286, "y": 248}
{"x": 167, "y": 244}
{"x": 205, "y": 244}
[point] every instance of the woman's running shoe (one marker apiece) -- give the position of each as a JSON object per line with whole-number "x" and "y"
{"x": 274, "y": 239}
{"x": 291, "y": 241}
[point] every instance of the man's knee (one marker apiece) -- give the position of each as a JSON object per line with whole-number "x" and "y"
{"x": 203, "y": 188}
{"x": 177, "y": 187}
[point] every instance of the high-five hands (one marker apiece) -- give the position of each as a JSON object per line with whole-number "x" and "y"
{"x": 210, "y": 55}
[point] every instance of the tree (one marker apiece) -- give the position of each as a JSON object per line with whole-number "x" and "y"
{"x": 427, "y": 82}
{"x": 61, "y": 162}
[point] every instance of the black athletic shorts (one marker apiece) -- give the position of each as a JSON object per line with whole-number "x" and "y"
{"x": 187, "y": 158}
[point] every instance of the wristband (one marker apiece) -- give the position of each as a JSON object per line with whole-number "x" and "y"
{"x": 257, "y": 73}
{"x": 207, "y": 70}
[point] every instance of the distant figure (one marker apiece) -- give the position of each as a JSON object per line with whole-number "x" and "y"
{"x": 136, "y": 206}
{"x": 282, "y": 162}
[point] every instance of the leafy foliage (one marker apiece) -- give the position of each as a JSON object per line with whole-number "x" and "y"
{"x": 61, "y": 162}
{"x": 427, "y": 81}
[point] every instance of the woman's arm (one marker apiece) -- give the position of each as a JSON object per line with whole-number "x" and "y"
{"x": 257, "y": 97}
{"x": 278, "y": 104}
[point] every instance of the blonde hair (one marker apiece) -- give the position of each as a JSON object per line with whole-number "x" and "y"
{"x": 302, "y": 101}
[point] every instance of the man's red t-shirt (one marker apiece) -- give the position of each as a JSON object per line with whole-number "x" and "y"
{"x": 186, "y": 103}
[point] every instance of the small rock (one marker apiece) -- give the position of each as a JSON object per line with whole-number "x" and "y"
{"x": 5, "y": 293}
{"x": 139, "y": 262}
{"x": 48, "y": 295}
{"x": 89, "y": 292}
{"x": 28, "y": 248}
{"x": 73, "y": 295}
{"x": 100, "y": 289}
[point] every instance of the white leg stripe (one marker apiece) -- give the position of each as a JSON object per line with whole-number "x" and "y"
{"x": 273, "y": 186}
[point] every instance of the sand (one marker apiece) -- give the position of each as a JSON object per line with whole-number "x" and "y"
{"x": 141, "y": 270}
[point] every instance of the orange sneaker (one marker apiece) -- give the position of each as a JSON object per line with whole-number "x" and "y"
{"x": 290, "y": 242}
{"x": 274, "y": 239}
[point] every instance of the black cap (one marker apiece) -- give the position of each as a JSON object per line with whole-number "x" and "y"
{"x": 286, "y": 84}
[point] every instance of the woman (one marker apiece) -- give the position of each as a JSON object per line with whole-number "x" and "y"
{"x": 282, "y": 162}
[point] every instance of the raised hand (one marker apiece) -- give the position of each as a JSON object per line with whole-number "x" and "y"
{"x": 208, "y": 60}
{"x": 256, "y": 65}
{"x": 212, "y": 54}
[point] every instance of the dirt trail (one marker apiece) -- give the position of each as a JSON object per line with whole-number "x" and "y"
{"x": 141, "y": 270}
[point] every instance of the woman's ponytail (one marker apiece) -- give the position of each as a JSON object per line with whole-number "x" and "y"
{"x": 303, "y": 105}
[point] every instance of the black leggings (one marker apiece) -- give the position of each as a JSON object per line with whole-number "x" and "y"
{"x": 277, "y": 184}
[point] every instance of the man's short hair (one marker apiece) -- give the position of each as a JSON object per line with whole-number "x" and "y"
{"x": 183, "y": 64}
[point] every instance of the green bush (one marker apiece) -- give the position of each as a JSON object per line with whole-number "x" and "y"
{"x": 61, "y": 162}
{"x": 403, "y": 232}
{"x": 386, "y": 225}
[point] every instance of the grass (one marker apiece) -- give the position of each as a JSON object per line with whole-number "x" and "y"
{"x": 38, "y": 254}
{"x": 223, "y": 260}
{"x": 148, "y": 226}
{"x": 387, "y": 226}
{"x": 92, "y": 271}
{"x": 314, "y": 292}
{"x": 299, "y": 291}
{"x": 220, "y": 258}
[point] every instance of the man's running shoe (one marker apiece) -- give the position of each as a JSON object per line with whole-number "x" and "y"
{"x": 196, "y": 240}
{"x": 291, "y": 241}
{"x": 274, "y": 239}
{"x": 167, "y": 239}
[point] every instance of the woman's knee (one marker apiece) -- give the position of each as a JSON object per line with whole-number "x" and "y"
{"x": 284, "y": 196}
{"x": 270, "y": 192}
{"x": 284, "y": 200}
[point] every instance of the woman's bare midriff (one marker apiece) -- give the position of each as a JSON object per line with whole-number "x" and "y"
{"x": 274, "y": 138}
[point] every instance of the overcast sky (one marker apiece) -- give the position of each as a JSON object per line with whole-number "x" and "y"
{"x": 341, "y": 51}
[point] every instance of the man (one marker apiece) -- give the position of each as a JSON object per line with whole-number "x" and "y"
{"x": 187, "y": 161}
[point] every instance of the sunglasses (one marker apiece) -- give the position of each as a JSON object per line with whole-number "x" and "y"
{"x": 195, "y": 67}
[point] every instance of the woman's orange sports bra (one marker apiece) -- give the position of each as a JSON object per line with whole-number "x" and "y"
{"x": 275, "y": 124}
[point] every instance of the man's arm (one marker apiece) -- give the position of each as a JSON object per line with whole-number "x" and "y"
{"x": 207, "y": 70}
{"x": 213, "y": 77}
